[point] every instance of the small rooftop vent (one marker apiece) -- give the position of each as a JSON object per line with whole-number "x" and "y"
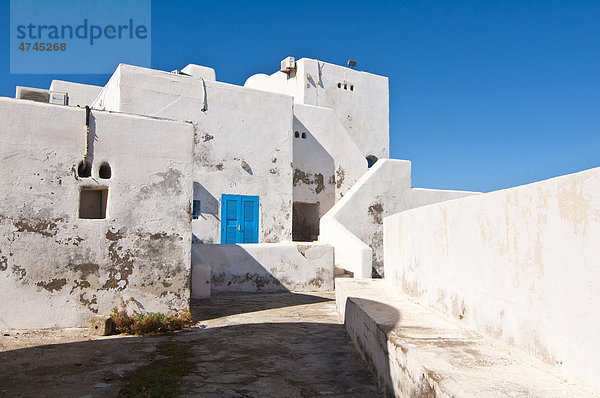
{"x": 39, "y": 95}
{"x": 178, "y": 72}
{"x": 288, "y": 64}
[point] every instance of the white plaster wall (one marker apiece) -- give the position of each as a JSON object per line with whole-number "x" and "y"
{"x": 327, "y": 163}
{"x": 351, "y": 253}
{"x": 520, "y": 264}
{"x": 79, "y": 94}
{"x": 383, "y": 190}
{"x": 238, "y": 124}
{"x": 314, "y": 170}
{"x": 109, "y": 97}
{"x": 300, "y": 267}
{"x": 363, "y": 111}
{"x": 58, "y": 269}
{"x": 200, "y": 282}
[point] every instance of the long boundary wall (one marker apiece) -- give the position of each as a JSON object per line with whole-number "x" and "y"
{"x": 519, "y": 264}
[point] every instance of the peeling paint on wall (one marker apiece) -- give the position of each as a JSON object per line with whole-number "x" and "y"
{"x": 309, "y": 179}
{"x": 67, "y": 268}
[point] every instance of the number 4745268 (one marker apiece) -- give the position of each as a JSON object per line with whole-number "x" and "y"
{"x": 43, "y": 46}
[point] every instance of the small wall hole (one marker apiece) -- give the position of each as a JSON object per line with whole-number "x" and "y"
{"x": 345, "y": 86}
{"x": 352, "y": 87}
{"x": 104, "y": 171}
{"x": 296, "y": 134}
{"x": 84, "y": 169}
{"x": 371, "y": 160}
{"x": 303, "y": 135}
{"x": 339, "y": 85}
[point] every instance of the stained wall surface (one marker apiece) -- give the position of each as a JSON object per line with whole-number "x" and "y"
{"x": 269, "y": 267}
{"x": 519, "y": 264}
{"x": 57, "y": 269}
{"x": 327, "y": 162}
{"x": 243, "y": 141}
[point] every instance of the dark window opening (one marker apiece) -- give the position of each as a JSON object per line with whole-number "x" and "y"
{"x": 195, "y": 209}
{"x": 104, "y": 171}
{"x": 339, "y": 85}
{"x": 352, "y": 87}
{"x": 345, "y": 86}
{"x": 371, "y": 160}
{"x": 84, "y": 169}
{"x": 92, "y": 203}
{"x": 296, "y": 134}
{"x": 303, "y": 135}
{"x": 305, "y": 222}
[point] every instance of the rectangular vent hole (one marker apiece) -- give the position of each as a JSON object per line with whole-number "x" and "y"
{"x": 92, "y": 203}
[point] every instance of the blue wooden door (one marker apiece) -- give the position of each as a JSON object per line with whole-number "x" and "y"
{"x": 239, "y": 219}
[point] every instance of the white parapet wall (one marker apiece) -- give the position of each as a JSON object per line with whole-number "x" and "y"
{"x": 358, "y": 217}
{"x": 520, "y": 264}
{"x": 267, "y": 267}
{"x": 351, "y": 253}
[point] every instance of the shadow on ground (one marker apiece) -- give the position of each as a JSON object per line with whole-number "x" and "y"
{"x": 287, "y": 346}
{"x": 227, "y": 304}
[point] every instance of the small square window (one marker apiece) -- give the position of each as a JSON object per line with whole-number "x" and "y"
{"x": 195, "y": 209}
{"x": 92, "y": 203}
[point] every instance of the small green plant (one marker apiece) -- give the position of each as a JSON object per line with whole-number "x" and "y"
{"x": 162, "y": 378}
{"x": 150, "y": 322}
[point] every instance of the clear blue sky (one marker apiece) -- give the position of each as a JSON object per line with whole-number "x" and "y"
{"x": 483, "y": 95}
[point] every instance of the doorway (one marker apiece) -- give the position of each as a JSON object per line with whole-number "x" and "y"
{"x": 305, "y": 222}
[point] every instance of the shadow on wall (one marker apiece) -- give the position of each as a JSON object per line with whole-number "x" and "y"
{"x": 236, "y": 270}
{"x": 208, "y": 205}
{"x": 277, "y": 267}
{"x": 262, "y": 359}
{"x": 314, "y": 170}
{"x": 91, "y": 137}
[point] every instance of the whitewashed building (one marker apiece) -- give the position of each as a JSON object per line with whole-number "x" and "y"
{"x": 204, "y": 167}
{"x": 164, "y": 186}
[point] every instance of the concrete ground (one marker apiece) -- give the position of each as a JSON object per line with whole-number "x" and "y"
{"x": 248, "y": 345}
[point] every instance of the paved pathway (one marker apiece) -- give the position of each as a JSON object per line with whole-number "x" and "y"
{"x": 252, "y": 345}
